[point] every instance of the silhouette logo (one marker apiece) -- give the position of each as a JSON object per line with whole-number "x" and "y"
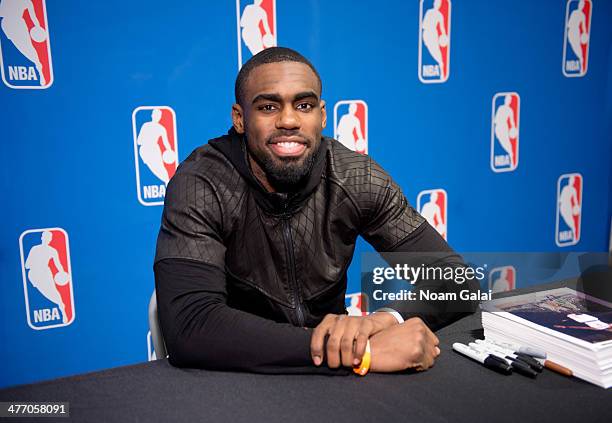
{"x": 356, "y": 304}
{"x": 505, "y": 132}
{"x": 569, "y": 209}
{"x": 25, "y": 50}
{"x": 576, "y": 37}
{"x": 155, "y": 152}
{"x": 502, "y": 279}
{"x": 432, "y": 205}
{"x": 47, "y": 278}
{"x": 351, "y": 124}
{"x": 255, "y": 26}
{"x": 434, "y": 41}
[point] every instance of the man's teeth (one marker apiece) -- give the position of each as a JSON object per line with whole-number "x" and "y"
{"x": 289, "y": 144}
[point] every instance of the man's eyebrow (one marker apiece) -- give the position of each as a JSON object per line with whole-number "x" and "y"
{"x": 270, "y": 97}
{"x": 305, "y": 94}
{"x": 277, "y": 98}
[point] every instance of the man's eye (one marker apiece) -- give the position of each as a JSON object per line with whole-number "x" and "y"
{"x": 305, "y": 106}
{"x": 266, "y": 108}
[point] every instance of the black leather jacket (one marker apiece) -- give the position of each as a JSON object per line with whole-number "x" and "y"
{"x": 282, "y": 257}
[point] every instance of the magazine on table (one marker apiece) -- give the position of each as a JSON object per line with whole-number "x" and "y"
{"x": 563, "y": 312}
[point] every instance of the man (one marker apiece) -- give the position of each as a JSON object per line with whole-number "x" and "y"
{"x": 258, "y": 230}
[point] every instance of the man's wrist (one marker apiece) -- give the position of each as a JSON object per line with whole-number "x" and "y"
{"x": 384, "y": 318}
{"x": 398, "y": 317}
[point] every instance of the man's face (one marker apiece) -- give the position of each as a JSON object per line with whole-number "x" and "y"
{"x": 282, "y": 116}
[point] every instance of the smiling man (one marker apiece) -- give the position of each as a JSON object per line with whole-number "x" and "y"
{"x": 258, "y": 230}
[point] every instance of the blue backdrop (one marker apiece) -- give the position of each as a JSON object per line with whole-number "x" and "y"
{"x": 426, "y": 112}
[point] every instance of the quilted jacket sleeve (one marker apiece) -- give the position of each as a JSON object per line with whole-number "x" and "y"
{"x": 392, "y": 225}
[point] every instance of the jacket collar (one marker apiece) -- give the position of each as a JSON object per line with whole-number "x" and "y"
{"x": 233, "y": 147}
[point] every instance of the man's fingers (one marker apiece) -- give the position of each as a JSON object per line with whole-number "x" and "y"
{"x": 428, "y": 349}
{"x": 316, "y": 345}
{"x": 363, "y": 333}
{"x": 361, "y": 342}
{"x": 347, "y": 338}
{"x": 318, "y": 338}
{"x": 347, "y": 344}
{"x": 432, "y": 351}
{"x": 332, "y": 349}
{"x": 436, "y": 341}
{"x": 430, "y": 359}
{"x": 431, "y": 337}
{"x": 427, "y": 361}
{"x": 431, "y": 356}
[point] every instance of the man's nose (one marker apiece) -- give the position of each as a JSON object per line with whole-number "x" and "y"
{"x": 288, "y": 118}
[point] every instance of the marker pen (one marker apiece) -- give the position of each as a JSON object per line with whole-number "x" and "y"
{"x": 537, "y": 367}
{"x": 532, "y": 362}
{"x": 518, "y": 365}
{"x": 535, "y": 364}
{"x": 490, "y": 361}
{"x": 531, "y": 351}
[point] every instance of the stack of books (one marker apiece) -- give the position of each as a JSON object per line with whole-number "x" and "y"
{"x": 574, "y": 329}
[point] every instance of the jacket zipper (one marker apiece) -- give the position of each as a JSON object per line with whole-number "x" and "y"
{"x": 292, "y": 279}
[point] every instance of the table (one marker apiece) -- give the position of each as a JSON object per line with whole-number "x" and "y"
{"x": 456, "y": 389}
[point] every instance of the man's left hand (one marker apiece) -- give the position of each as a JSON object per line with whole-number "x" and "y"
{"x": 348, "y": 336}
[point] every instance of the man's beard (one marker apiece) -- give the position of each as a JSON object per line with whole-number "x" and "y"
{"x": 284, "y": 174}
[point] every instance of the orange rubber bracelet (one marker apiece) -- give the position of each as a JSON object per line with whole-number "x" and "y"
{"x": 363, "y": 367}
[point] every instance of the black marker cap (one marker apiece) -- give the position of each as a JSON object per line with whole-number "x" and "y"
{"x": 497, "y": 364}
{"x": 535, "y": 364}
{"x": 523, "y": 368}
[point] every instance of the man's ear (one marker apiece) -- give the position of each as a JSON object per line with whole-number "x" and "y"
{"x": 323, "y": 114}
{"x": 238, "y": 118}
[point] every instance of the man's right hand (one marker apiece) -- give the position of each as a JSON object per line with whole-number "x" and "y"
{"x": 348, "y": 336}
{"x": 411, "y": 345}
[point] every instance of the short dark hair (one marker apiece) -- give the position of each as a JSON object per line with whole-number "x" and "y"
{"x": 269, "y": 55}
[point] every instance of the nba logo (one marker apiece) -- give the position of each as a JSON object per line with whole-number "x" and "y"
{"x": 150, "y": 349}
{"x": 255, "y": 26}
{"x": 432, "y": 206}
{"x": 569, "y": 209}
{"x": 155, "y": 152}
{"x": 505, "y": 132}
{"x": 576, "y": 37}
{"x": 351, "y": 124}
{"x": 434, "y": 41}
{"x": 502, "y": 279}
{"x": 24, "y": 43}
{"x": 47, "y": 278}
{"x": 356, "y": 304}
